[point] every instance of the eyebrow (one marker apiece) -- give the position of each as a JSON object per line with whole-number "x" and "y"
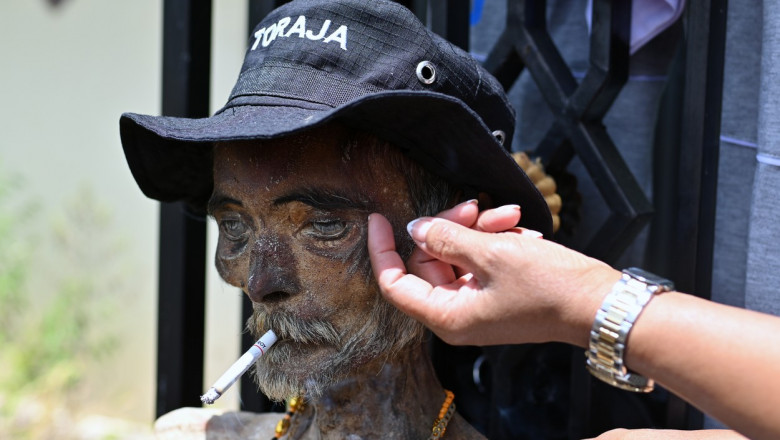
{"x": 327, "y": 199}
{"x": 219, "y": 200}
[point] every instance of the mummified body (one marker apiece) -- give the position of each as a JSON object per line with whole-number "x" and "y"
{"x": 292, "y": 217}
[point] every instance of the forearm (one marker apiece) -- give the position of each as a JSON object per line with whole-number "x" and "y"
{"x": 723, "y": 360}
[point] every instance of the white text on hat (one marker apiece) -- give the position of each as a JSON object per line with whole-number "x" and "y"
{"x": 264, "y": 36}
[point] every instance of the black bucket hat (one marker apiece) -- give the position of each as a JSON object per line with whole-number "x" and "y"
{"x": 371, "y": 65}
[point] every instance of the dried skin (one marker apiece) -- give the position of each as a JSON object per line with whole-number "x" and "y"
{"x": 293, "y": 223}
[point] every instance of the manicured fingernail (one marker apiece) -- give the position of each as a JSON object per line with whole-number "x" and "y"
{"x": 469, "y": 202}
{"x": 418, "y": 227}
{"x": 533, "y": 234}
{"x": 410, "y": 226}
{"x": 508, "y": 209}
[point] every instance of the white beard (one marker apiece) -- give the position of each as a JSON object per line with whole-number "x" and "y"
{"x": 283, "y": 371}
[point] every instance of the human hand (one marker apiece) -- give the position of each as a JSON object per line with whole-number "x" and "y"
{"x": 472, "y": 285}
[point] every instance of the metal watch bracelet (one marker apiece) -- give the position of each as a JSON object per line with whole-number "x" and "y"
{"x": 614, "y": 320}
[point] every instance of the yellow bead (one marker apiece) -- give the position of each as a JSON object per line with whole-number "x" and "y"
{"x": 283, "y": 426}
{"x": 295, "y": 403}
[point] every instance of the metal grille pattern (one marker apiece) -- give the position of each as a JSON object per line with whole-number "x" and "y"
{"x": 579, "y": 108}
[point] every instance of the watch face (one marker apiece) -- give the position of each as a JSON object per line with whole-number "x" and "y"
{"x": 649, "y": 278}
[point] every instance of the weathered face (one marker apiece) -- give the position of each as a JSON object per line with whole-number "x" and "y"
{"x": 292, "y": 217}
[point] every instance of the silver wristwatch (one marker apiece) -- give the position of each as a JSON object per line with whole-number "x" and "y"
{"x": 613, "y": 322}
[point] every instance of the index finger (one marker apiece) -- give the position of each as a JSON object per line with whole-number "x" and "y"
{"x": 405, "y": 291}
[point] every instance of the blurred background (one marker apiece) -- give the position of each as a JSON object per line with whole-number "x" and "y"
{"x": 78, "y": 240}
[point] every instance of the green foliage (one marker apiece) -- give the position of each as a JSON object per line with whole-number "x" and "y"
{"x": 14, "y": 258}
{"x": 47, "y": 338}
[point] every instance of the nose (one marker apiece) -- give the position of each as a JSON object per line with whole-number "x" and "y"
{"x": 271, "y": 270}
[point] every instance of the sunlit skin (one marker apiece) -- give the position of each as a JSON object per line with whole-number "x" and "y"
{"x": 293, "y": 218}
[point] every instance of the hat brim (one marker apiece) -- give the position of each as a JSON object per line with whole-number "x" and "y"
{"x": 170, "y": 157}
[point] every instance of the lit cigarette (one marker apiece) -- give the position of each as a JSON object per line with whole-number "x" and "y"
{"x": 239, "y": 367}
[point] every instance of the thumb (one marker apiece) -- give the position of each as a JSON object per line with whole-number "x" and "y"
{"x": 448, "y": 241}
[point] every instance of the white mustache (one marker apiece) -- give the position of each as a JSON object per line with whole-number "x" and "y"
{"x": 288, "y": 327}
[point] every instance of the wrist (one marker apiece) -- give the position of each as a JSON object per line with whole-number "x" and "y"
{"x": 580, "y": 308}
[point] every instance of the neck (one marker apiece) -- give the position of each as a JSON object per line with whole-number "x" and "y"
{"x": 389, "y": 397}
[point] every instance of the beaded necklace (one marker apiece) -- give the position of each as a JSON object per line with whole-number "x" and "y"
{"x": 296, "y": 404}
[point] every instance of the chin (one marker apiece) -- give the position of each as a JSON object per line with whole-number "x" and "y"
{"x": 291, "y": 369}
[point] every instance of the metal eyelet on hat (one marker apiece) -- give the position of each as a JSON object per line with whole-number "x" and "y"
{"x": 500, "y": 136}
{"x": 426, "y": 72}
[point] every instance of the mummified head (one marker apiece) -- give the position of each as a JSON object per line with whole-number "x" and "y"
{"x": 292, "y": 216}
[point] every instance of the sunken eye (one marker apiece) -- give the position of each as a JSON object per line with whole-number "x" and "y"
{"x": 329, "y": 229}
{"x": 233, "y": 229}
